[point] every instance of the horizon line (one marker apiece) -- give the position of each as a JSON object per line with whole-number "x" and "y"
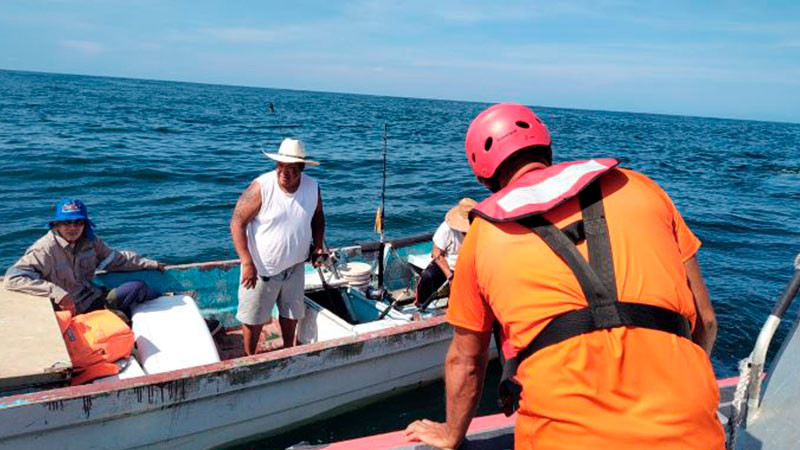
{"x": 782, "y": 122}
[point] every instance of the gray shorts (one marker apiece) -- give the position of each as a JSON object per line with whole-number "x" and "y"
{"x": 287, "y": 288}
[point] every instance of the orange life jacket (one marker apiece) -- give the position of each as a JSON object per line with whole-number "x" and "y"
{"x": 94, "y": 341}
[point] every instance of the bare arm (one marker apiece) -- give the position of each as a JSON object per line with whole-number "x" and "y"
{"x": 318, "y": 223}
{"x": 705, "y": 330}
{"x": 465, "y": 368}
{"x": 247, "y": 207}
{"x": 440, "y": 259}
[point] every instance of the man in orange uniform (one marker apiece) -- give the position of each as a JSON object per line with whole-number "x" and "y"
{"x": 591, "y": 273}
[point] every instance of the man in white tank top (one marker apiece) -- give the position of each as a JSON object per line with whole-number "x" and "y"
{"x": 274, "y": 224}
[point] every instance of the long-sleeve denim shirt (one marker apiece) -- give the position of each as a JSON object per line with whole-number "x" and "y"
{"x": 53, "y": 267}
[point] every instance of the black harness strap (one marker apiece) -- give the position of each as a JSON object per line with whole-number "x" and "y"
{"x": 597, "y": 238}
{"x": 575, "y": 232}
{"x": 601, "y": 302}
{"x": 581, "y": 321}
{"x": 598, "y": 283}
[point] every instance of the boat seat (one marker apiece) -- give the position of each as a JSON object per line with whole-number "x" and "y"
{"x": 171, "y": 334}
{"x": 33, "y": 353}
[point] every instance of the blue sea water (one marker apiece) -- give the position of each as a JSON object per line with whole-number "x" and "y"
{"x": 161, "y": 164}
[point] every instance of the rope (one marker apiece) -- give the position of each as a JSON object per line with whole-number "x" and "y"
{"x": 739, "y": 403}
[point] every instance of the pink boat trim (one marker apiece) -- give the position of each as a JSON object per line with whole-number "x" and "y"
{"x": 398, "y": 438}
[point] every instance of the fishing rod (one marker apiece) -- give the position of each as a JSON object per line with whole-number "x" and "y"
{"x": 380, "y": 216}
{"x": 382, "y": 294}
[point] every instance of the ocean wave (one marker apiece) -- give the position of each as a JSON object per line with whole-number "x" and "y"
{"x": 109, "y": 129}
{"x": 165, "y": 130}
{"x": 279, "y": 126}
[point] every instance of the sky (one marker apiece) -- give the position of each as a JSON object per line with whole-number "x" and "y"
{"x": 731, "y": 59}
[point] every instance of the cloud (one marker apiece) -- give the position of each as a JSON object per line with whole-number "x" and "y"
{"x": 146, "y": 46}
{"x": 243, "y": 35}
{"x": 238, "y": 35}
{"x": 72, "y": 21}
{"x": 472, "y": 12}
{"x": 86, "y": 48}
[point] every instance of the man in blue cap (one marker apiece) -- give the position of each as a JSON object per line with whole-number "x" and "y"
{"x": 62, "y": 264}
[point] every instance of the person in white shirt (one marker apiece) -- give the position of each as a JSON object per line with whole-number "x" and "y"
{"x": 274, "y": 224}
{"x": 446, "y": 242}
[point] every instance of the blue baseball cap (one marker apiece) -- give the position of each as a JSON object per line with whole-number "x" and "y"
{"x": 73, "y": 209}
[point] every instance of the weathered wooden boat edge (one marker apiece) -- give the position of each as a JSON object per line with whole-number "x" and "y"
{"x": 64, "y": 393}
{"x": 33, "y": 415}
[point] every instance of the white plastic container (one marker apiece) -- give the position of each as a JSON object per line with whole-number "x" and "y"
{"x": 171, "y": 334}
{"x": 357, "y": 274}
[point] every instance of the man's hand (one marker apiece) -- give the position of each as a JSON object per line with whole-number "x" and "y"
{"x": 440, "y": 258}
{"x": 435, "y": 434}
{"x": 247, "y": 207}
{"x": 67, "y": 304}
{"x": 317, "y": 256}
{"x": 249, "y": 275}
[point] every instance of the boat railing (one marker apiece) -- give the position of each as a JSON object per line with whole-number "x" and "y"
{"x": 747, "y": 398}
{"x": 351, "y": 250}
{"x": 759, "y": 355}
{"x": 396, "y": 243}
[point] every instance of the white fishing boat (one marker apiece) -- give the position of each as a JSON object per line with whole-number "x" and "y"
{"x": 355, "y": 349}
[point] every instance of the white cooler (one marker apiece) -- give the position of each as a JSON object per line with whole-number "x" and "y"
{"x": 171, "y": 334}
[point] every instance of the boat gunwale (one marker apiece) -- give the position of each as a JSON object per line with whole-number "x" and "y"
{"x": 479, "y": 425}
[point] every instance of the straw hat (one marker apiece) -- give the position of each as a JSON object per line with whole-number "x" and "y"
{"x": 458, "y": 216}
{"x": 291, "y": 151}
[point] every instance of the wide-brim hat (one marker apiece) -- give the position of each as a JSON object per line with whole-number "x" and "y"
{"x": 291, "y": 151}
{"x": 72, "y": 209}
{"x": 458, "y": 216}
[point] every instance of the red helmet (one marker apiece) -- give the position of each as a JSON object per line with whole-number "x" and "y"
{"x": 500, "y": 131}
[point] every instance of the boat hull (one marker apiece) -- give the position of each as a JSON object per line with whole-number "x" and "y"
{"x": 232, "y": 400}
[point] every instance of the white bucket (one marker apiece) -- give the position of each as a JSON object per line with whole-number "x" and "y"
{"x": 357, "y": 274}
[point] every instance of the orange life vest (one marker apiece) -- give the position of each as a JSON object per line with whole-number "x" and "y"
{"x": 94, "y": 341}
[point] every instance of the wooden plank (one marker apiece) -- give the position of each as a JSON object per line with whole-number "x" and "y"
{"x": 32, "y": 350}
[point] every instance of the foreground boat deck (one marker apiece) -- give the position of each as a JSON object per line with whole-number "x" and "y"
{"x": 230, "y": 344}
